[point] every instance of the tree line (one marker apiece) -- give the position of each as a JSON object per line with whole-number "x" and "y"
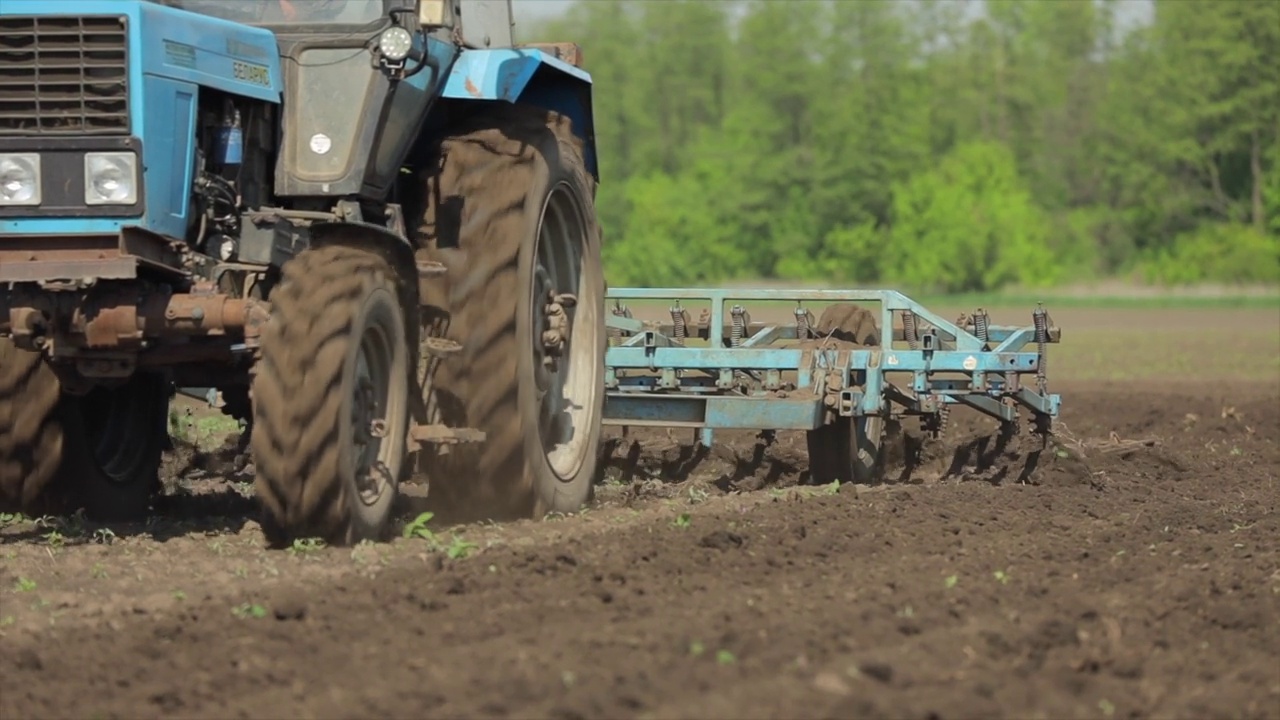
{"x": 1030, "y": 143}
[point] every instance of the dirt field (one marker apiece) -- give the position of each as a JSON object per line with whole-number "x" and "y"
{"x": 1130, "y": 571}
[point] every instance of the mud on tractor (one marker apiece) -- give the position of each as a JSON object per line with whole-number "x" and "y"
{"x": 370, "y": 226}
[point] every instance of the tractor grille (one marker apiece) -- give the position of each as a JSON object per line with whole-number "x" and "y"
{"x": 63, "y": 76}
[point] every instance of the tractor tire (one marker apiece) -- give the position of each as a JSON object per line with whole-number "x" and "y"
{"x": 330, "y": 399}
{"x": 58, "y": 452}
{"x": 113, "y": 442}
{"x": 511, "y": 214}
{"x": 30, "y": 433}
{"x": 850, "y": 323}
{"x": 849, "y": 448}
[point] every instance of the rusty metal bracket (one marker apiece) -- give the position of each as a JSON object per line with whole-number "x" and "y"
{"x": 126, "y": 315}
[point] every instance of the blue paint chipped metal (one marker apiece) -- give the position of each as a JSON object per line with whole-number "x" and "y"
{"x": 724, "y": 371}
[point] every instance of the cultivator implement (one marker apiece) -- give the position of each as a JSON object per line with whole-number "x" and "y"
{"x": 838, "y": 377}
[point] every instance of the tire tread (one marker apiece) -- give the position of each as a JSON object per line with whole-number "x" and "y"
{"x": 298, "y": 386}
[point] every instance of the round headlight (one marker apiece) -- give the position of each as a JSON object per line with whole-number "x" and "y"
{"x": 395, "y": 43}
{"x": 19, "y": 180}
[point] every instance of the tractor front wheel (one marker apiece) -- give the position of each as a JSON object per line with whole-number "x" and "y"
{"x": 330, "y": 399}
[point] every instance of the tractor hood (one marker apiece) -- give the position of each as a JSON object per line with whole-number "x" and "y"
{"x": 116, "y": 79}
{"x": 125, "y": 41}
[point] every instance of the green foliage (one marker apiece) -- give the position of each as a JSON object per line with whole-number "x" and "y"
{"x": 459, "y": 548}
{"x": 249, "y": 610}
{"x": 1218, "y": 252}
{"x": 417, "y": 528}
{"x": 969, "y": 224}
{"x": 928, "y": 144}
{"x": 1271, "y": 193}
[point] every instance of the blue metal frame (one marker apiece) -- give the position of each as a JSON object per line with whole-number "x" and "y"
{"x": 528, "y": 75}
{"x": 655, "y": 377}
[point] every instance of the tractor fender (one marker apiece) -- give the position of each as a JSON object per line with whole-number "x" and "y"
{"x": 392, "y": 246}
{"x": 528, "y": 76}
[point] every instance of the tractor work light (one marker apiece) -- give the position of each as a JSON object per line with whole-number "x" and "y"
{"x": 110, "y": 178}
{"x": 395, "y": 43}
{"x": 19, "y": 179}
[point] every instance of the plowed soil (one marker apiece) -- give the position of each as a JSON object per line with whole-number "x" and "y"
{"x": 1130, "y": 569}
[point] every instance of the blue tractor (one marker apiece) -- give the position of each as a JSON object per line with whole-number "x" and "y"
{"x": 369, "y": 224}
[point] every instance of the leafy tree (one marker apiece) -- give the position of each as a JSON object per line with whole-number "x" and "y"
{"x": 939, "y": 143}
{"x": 969, "y": 224}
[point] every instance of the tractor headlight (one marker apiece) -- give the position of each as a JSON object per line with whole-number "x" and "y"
{"x": 19, "y": 179}
{"x": 395, "y": 43}
{"x": 110, "y": 178}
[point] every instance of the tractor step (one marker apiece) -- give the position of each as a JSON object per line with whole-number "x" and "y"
{"x": 444, "y": 435}
{"x": 430, "y": 268}
{"x": 440, "y": 347}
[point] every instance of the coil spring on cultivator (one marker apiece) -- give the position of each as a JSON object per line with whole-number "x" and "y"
{"x": 804, "y": 323}
{"x": 935, "y": 424}
{"x": 739, "y": 329}
{"x": 981, "y": 321}
{"x": 622, "y": 311}
{"x": 909, "y": 330}
{"x": 1040, "y": 320}
{"x": 679, "y": 322}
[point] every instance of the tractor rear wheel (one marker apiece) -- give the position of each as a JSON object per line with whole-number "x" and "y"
{"x": 100, "y": 451}
{"x": 511, "y": 215}
{"x": 330, "y": 399}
